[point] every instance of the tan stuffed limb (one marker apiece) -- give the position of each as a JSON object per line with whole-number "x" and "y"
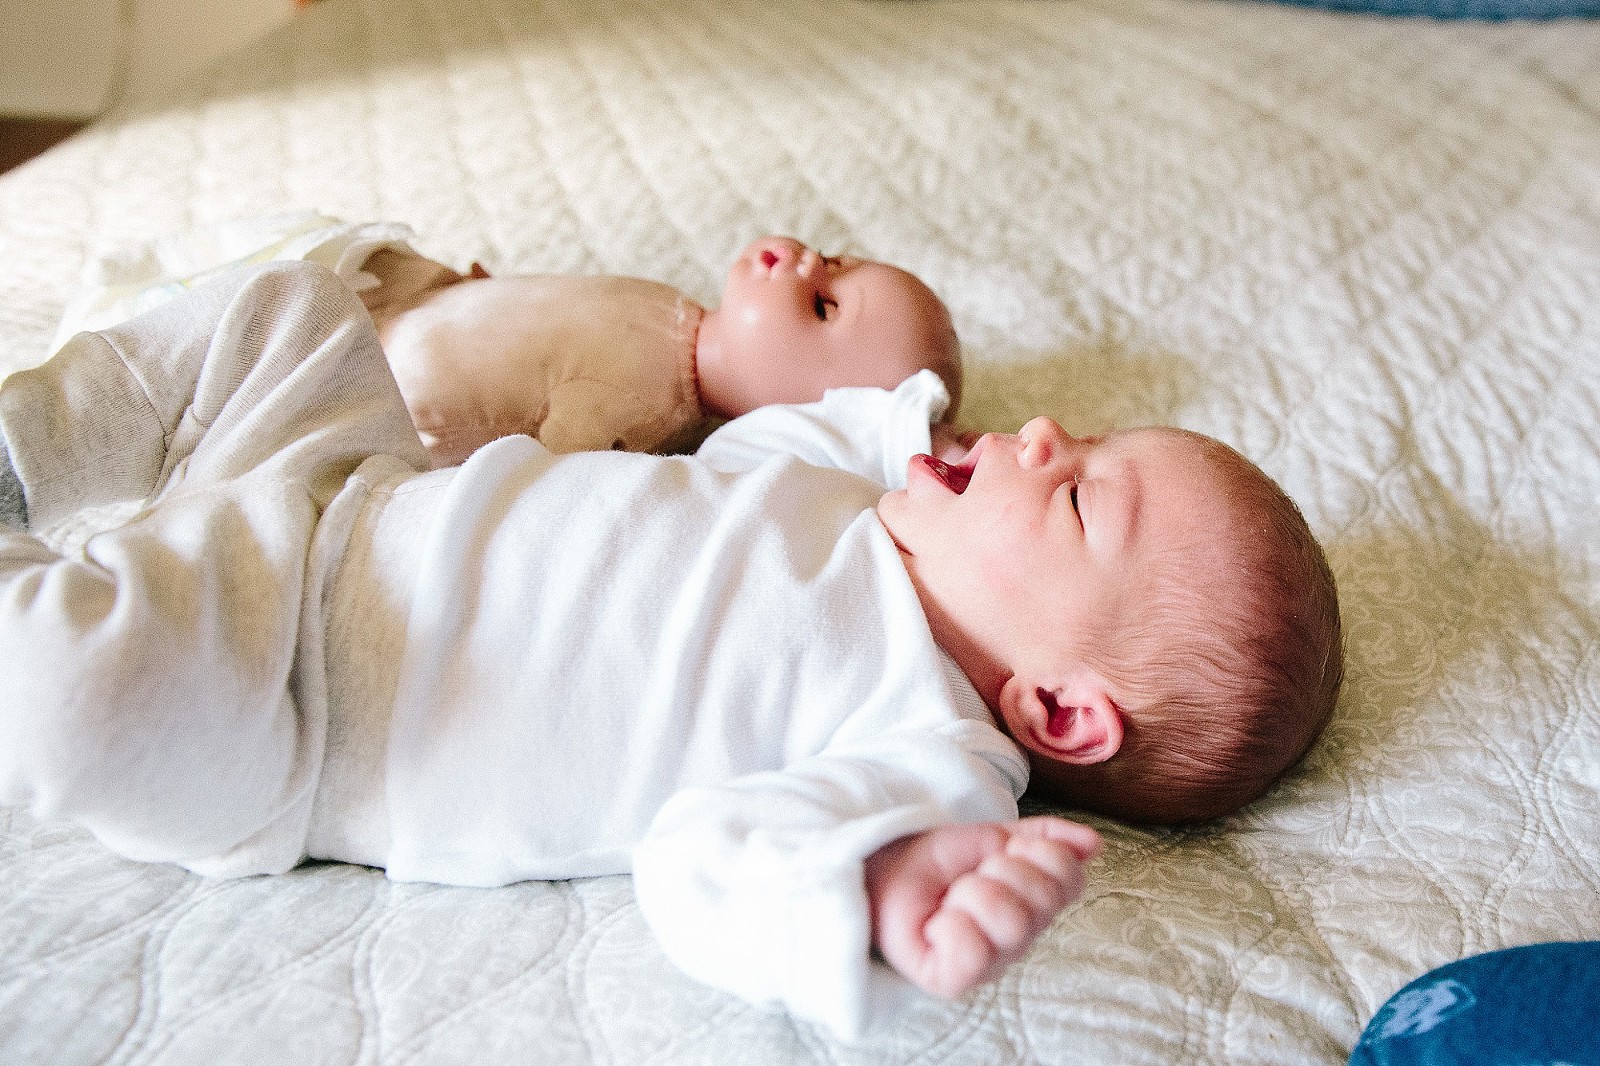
{"x": 580, "y": 413}
{"x": 607, "y": 358}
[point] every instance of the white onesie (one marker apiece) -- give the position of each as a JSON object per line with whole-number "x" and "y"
{"x": 589, "y": 637}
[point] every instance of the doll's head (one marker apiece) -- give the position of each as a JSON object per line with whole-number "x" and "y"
{"x": 793, "y": 324}
{"x": 1146, "y": 612}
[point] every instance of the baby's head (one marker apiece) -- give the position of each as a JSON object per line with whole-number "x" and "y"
{"x": 793, "y": 324}
{"x": 1146, "y": 612}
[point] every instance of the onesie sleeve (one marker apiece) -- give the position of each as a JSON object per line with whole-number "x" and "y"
{"x": 866, "y": 431}
{"x": 756, "y": 886}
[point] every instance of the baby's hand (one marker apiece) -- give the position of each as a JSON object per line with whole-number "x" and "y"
{"x": 953, "y": 906}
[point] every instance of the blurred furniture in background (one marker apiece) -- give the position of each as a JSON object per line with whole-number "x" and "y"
{"x": 67, "y": 61}
{"x": 75, "y": 58}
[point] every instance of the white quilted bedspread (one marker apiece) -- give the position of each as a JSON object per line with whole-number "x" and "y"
{"x": 1365, "y": 252}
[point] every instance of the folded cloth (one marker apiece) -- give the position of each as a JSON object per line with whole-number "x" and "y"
{"x": 13, "y": 505}
{"x": 129, "y": 281}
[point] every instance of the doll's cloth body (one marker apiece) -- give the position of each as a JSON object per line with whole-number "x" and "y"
{"x": 712, "y": 670}
{"x": 580, "y": 363}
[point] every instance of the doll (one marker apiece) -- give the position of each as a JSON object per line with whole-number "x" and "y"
{"x": 596, "y": 362}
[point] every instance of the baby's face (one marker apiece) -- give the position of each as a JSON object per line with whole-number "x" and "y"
{"x": 1040, "y": 536}
{"x": 797, "y": 323}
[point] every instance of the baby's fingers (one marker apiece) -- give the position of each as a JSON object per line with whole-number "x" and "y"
{"x": 1084, "y": 842}
{"x": 1014, "y": 894}
{"x": 1009, "y": 902}
{"x": 1042, "y": 876}
{"x": 960, "y": 956}
{"x": 1046, "y": 872}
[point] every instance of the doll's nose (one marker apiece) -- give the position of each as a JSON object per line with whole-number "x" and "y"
{"x": 772, "y": 252}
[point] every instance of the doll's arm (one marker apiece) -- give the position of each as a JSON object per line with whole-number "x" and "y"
{"x": 953, "y": 906}
{"x": 586, "y": 415}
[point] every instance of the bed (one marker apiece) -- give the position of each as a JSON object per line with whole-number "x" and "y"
{"x": 1364, "y": 251}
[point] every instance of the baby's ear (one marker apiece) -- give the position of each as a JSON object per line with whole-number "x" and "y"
{"x": 1071, "y": 721}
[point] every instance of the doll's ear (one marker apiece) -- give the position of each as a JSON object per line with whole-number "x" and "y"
{"x": 1073, "y": 721}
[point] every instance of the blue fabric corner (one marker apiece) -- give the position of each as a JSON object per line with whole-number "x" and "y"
{"x": 1534, "y": 1004}
{"x": 1490, "y": 10}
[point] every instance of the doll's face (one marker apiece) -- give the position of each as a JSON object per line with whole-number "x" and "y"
{"x": 794, "y": 323}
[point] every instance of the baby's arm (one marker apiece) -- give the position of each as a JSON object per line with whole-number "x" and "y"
{"x": 953, "y": 906}
{"x": 756, "y": 886}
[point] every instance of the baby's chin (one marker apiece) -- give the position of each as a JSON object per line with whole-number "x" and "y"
{"x": 885, "y": 509}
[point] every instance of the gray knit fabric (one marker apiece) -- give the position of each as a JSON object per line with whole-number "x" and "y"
{"x": 13, "y": 505}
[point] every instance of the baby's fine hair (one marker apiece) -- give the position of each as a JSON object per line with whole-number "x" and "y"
{"x": 1223, "y": 684}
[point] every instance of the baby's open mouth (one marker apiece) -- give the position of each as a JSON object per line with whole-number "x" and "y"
{"x": 955, "y": 478}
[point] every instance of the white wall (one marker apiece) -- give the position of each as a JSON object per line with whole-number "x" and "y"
{"x": 58, "y": 58}
{"x": 172, "y": 39}
{"x": 75, "y": 58}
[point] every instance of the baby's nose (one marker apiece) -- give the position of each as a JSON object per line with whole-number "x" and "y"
{"x": 1043, "y": 438}
{"x": 1043, "y": 428}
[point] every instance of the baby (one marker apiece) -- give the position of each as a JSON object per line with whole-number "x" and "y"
{"x": 795, "y": 683}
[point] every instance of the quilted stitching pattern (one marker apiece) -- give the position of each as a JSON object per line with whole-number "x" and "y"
{"x": 1366, "y": 252}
